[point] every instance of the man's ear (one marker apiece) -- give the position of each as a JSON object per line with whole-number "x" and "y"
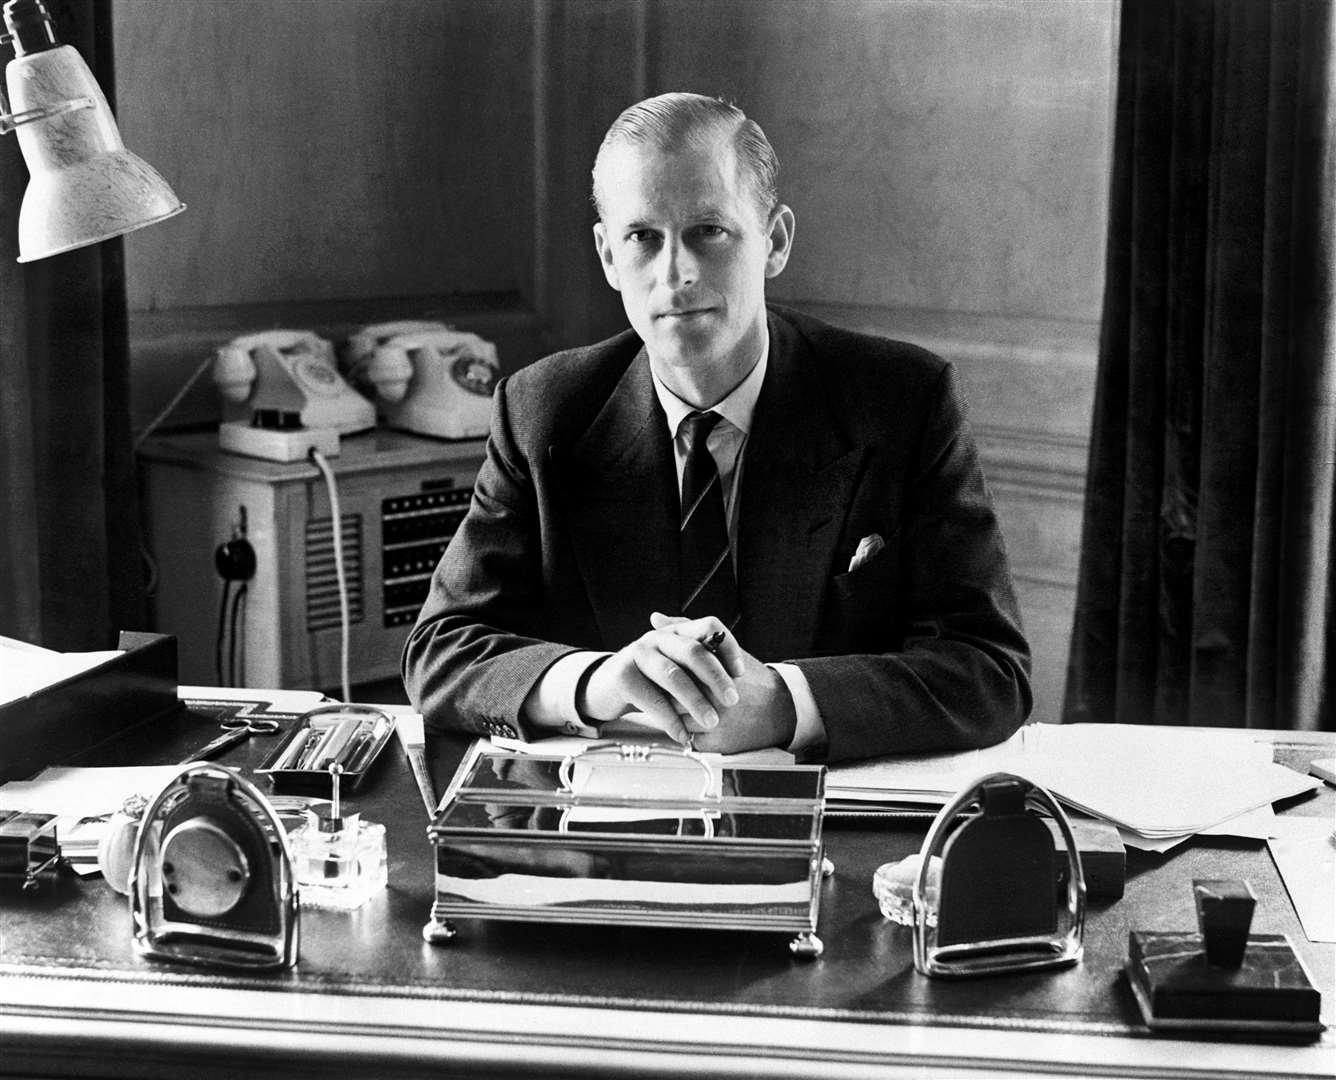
{"x": 782, "y": 224}
{"x": 604, "y": 246}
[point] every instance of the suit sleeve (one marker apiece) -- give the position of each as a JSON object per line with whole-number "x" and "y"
{"x": 958, "y": 674}
{"x": 477, "y": 647}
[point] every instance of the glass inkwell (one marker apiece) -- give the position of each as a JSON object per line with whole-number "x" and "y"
{"x": 991, "y": 893}
{"x": 340, "y": 858}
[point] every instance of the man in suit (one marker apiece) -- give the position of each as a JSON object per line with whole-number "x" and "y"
{"x": 859, "y": 602}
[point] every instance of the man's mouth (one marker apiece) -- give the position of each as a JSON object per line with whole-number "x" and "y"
{"x": 684, "y": 313}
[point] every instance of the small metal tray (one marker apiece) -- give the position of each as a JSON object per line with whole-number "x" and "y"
{"x": 351, "y": 735}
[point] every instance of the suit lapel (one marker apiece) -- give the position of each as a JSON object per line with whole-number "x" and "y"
{"x": 797, "y": 485}
{"x": 620, "y": 490}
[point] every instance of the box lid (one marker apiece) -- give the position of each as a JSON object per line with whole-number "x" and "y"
{"x": 632, "y": 794}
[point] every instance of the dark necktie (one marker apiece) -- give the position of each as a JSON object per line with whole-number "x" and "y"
{"x": 707, "y": 584}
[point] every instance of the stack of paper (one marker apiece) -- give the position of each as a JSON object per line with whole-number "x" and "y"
{"x": 1158, "y": 785}
{"x": 25, "y": 669}
{"x": 927, "y": 780}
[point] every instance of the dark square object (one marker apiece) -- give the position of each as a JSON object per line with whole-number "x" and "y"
{"x": 1177, "y": 987}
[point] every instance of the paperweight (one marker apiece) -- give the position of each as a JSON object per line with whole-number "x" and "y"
{"x": 1003, "y": 904}
{"x": 1223, "y": 978}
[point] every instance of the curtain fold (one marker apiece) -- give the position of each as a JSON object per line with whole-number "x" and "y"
{"x": 1205, "y": 589}
{"x": 71, "y": 573}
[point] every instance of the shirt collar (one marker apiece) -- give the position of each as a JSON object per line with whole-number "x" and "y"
{"x": 737, "y": 408}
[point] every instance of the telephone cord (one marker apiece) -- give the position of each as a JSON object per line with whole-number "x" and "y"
{"x": 332, "y": 486}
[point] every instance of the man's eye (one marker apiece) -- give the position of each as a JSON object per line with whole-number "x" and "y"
{"x": 640, "y": 236}
{"x": 710, "y": 232}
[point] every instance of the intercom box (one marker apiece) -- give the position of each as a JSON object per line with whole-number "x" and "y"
{"x": 400, "y": 496}
{"x": 61, "y": 721}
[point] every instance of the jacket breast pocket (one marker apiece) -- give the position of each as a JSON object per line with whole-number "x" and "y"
{"x": 862, "y": 605}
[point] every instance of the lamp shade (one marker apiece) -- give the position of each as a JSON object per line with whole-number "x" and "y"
{"x": 84, "y": 185}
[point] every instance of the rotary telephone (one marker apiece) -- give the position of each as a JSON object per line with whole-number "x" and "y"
{"x": 287, "y": 379}
{"x": 426, "y": 377}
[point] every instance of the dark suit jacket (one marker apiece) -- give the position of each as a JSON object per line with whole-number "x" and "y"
{"x": 570, "y": 543}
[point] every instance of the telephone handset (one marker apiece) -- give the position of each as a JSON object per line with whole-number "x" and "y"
{"x": 373, "y": 375}
{"x": 288, "y": 378}
{"x": 427, "y": 377}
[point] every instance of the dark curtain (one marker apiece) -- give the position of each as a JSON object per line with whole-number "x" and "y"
{"x": 70, "y": 570}
{"x": 1205, "y": 591}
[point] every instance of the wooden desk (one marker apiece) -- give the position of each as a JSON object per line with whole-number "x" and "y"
{"x": 370, "y": 998}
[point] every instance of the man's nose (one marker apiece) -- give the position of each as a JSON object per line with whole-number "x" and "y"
{"x": 679, "y": 264}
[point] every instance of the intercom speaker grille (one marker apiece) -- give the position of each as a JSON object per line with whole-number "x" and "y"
{"x": 415, "y": 530}
{"x": 322, "y": 581}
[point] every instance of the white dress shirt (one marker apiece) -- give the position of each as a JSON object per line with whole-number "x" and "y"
{"x": 551, "y": 703}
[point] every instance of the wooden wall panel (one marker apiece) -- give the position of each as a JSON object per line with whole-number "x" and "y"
{"x": 946, "y": 157}
{"x": 329, "y": 150}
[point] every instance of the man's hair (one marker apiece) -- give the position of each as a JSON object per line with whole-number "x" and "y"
{"x": 673, "y": 121}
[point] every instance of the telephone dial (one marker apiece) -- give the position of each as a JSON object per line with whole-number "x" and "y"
{"x": 288, "y": 379}
{"x": 426, "y": 377}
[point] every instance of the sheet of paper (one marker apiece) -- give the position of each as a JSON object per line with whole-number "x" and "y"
{"x": 1159, "y": 784}
{"x": 1256, "y": 824}
{"x": 73, "y": 794}
{"x": 1154, "y": 780}
{"x": 85, "y": 792}
{"x": 1157, "y": 844}
{"x": 289, "y": 701}
{"x": 922, "y": 777}
{"x": 1304, "y": 849}
{"x": 1253, "y": 825}
{"x": 25, "y": 669}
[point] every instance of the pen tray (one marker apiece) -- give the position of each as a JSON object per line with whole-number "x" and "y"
{"x": 352, "y": 735}
{"x": 652, "y": 842}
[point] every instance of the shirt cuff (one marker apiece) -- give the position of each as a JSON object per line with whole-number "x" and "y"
{"x": 810, "y": 729}
{"x": 550, "y": 705}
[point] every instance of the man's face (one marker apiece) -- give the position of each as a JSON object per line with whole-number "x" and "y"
{"x": 684, "y": 242}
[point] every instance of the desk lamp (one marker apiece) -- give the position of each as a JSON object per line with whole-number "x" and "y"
{"x": 84, "y": 186}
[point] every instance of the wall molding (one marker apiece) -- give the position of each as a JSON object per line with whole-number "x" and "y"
{"x": 1029, "y": 384}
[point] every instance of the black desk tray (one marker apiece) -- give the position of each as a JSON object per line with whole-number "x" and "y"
{"x": 634, "y": 836}
{"x": 63, "y": 721}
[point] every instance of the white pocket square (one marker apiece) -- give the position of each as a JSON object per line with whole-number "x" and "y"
{"x": 867, "y": 548}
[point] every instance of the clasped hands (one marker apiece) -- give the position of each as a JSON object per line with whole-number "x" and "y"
{"x": 722, "y": 701}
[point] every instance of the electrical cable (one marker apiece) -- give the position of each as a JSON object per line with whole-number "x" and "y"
{"x": 331, "y": 485}
{"x": 243, "y": 595}
{"x": 171, "y": 405}
{"x": 221, "y": 635}
{"x": 151, "y": 586}
{"x": 235, "y": 674}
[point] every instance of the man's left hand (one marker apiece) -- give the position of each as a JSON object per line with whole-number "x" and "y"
{"x": 764, "y": 715}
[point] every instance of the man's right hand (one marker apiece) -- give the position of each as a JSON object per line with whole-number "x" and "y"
{"x": 669, "y": 677}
